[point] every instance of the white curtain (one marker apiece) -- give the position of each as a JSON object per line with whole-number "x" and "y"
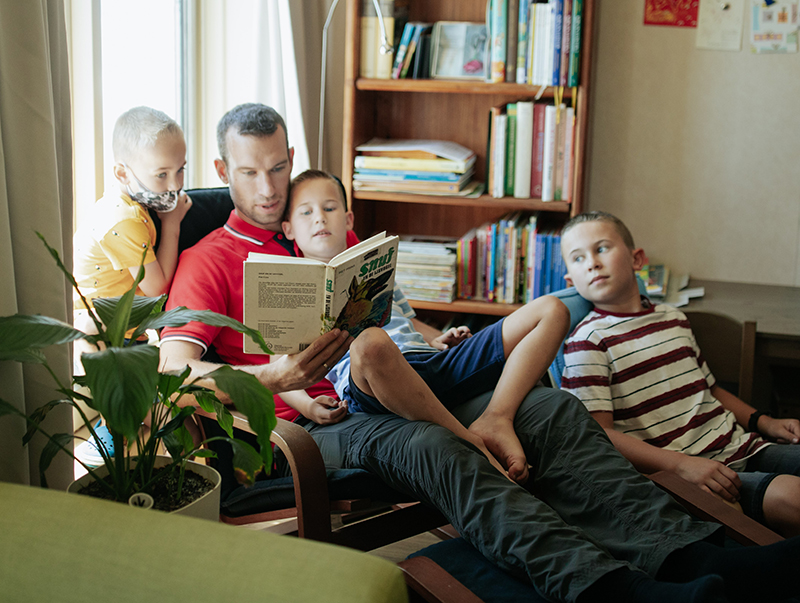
{"x": 263, "y": 51}
{"x": 35, "y": 195}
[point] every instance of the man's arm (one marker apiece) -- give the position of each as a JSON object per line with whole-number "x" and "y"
{"x": 711, "y": 476}
{"x": 293, "y": 372}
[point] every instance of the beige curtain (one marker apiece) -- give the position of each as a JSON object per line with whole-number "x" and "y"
{"x": 35, "y": 195}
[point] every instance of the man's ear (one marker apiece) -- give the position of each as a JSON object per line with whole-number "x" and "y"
{"x": 349, "y": 219}
{"x": 222, "y": 170}
{"x": 291, "y": 159}
{"x": 639, "y": 258}
{"x": 287, "y": 230}
{"x": 121, "y": 173}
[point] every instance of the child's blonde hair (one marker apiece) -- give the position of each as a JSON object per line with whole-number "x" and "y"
{"x": 601, "y": 216}
{"x": 138, "y": 129}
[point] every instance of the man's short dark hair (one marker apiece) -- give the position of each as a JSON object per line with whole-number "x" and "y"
{"x": 601, "y": 216}
{"x": 249, "y": 119}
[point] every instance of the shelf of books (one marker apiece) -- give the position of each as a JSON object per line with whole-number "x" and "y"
{"x": 462, "y": 150}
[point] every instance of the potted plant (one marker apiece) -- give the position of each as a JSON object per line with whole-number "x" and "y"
{"x": 126, "y": 386}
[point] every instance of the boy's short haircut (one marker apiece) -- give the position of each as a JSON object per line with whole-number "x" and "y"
{"x": 601, "y": 216}
{"x": 249, "y": 119}
{"x": 316, "y": 175}
{"x": 138, "y": 129}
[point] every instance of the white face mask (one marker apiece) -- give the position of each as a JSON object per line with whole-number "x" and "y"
{"x": 160, "y": 202}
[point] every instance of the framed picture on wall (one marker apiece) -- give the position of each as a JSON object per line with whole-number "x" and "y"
{"x": 459, "y": 50}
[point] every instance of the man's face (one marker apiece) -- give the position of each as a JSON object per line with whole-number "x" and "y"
{"x": 599, "y": 263}
{"x": 318, "y": 221}
{"x": 258, "y": 172}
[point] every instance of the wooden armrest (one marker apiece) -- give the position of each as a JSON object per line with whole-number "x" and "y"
{"x": 308, "y": 472}
{"x": 739, "y": 526}
{"x": 430, "y": 582}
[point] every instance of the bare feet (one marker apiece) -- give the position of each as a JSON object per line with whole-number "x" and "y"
{"x": 500, "y": 438}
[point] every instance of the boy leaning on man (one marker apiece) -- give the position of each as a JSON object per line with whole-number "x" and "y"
{"x": 150, "y": 159}
{"x": 638, "y": 370}
{"x": 437, "y": 369}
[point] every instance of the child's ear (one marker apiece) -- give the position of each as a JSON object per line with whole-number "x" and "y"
{"x": 287, "y": 230}
{"x": 639, "y": 259}
{"x": 569, "y": 280}
{"x": 121, "y": 173}
{"x": 222, "y": 170}
{"x": 349, "y": 219}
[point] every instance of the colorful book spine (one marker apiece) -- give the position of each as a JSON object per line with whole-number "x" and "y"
{"x": 499, "y": 11}
{"x": 522, "y": 41}
{"x": 499, "y": 157}
{"x": 575, "y": 43}
{"x": 558, "y": 170}
{"x": 569, "y": 158}
{"x": 412, "y": 47}
{"x": 566, "y": 37}
{"x": 537, "y": 152}
{"x": 557, "y": 11}
{"x": 511, "y": 148}
{"x": 512, "y": 25}
{"x": 402, "y": 49}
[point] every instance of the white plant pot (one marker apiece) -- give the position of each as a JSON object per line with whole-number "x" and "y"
{"x": 205, "y": 507}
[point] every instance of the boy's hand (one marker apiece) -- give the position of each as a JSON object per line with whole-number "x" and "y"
{"x": 784, "y": 431}
{"x": 325, "y": 410}
{"x": 451, "y": 338}
{"x": 711, "y": 476}
{"x": 176, "y": 215}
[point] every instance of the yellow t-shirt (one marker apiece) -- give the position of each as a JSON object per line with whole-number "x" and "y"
{"x": 111, "y": 243}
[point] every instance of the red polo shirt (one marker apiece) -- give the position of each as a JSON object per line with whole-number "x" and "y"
{"x": 209, "y": 277}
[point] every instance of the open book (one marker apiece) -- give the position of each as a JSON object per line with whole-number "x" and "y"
{"x": 292, "y": 301}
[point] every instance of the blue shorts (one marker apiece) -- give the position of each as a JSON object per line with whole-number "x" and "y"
{"x": 765, "y": 465}
{"x": 454, "y": 375}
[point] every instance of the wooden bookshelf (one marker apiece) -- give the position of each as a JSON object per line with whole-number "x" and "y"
{"x": 454, "y": 110}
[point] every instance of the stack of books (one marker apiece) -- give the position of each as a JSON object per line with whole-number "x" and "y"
{"x": 427, "y": 167}
{"x": 531, "y": 151}
{"x": 535, "y": 42}
{"x": 426, "y": 270}
{"x": 413, "y": 56}
{"x": 512, "y": 261}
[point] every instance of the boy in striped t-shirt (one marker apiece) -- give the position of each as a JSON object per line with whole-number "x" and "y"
{"x": 638, "y": 370}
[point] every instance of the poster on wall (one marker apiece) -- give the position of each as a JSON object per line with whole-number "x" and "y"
{"x": 720, "y": 25}
{"x": 774, "y": 26}
{"x": 678, "y": 13}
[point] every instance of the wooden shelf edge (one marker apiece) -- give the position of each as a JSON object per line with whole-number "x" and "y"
{"x": 466, "y": 306}
{"x": 455, "y": 87}
{"x": 482, "y": 201}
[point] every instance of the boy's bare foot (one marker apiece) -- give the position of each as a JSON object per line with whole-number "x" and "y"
{"x": 500, "y": 438}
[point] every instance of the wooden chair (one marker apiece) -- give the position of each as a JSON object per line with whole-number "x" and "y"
{"x": 729, "y": 348}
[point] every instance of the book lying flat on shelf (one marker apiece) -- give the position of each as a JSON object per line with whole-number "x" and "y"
{"x": 292, "y": 301}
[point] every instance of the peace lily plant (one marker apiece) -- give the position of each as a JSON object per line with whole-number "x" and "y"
{"x": 126, "y": 386}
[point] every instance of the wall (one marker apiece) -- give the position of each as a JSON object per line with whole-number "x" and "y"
{"x": 697, "y": 150}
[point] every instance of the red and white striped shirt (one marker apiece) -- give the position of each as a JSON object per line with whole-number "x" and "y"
{"x": 646, "y": 368}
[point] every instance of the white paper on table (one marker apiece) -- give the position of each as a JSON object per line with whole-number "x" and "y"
{"x": 774, "y": 27}
{"x": 718, "y": 27}
{"x": 442, "y": 148}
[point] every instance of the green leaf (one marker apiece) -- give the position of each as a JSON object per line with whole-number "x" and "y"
{"x": 39, "y": 415}
{"x": 173, "y": 445}
{"x": 6, "y": 408}
{"x": 205, "y": 453}
{"x": 175, "y": 422}
{"x": 224, "y": 417}
{"x": 247, "y": 462}
{"x": 51, "y": 448}
{"x": 124, "y": 383}
{"x": 177, "y": 317}
{"x": 170, "y": 382}
{"x": 254, "y": 400}
{"x": 205, "y": 399}
{"x": 21, "y": 336}
{"x": 141, "y": 308}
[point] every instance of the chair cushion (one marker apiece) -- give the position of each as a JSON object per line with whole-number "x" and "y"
{"x": 478, "y": 574}
{"x": 210, "y": 210}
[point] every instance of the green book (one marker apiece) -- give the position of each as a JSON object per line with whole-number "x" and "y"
{"x": 511, "y": 148}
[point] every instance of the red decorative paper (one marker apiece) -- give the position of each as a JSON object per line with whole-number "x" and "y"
{"x": 679, "y": 13}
